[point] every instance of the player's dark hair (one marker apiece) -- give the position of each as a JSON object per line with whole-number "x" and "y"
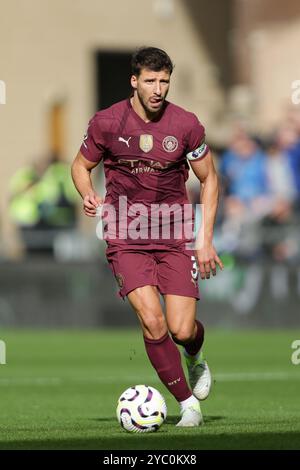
{"x": 150, "y": 58}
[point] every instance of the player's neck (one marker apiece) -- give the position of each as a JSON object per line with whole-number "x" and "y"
{"x": 141, "y": 111}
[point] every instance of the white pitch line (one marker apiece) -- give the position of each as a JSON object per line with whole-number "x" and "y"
{"x": 30, "y": 381}
{"x": 134, "y": 379}
{"x": 218, "y": 377}
{"x": 253, "y": 376}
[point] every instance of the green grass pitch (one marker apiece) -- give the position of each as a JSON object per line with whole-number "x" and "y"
{"x": 59, "y": 389}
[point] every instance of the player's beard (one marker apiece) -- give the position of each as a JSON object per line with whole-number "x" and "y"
{"x": 151, "y": 111}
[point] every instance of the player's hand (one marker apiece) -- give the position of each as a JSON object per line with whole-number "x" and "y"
{"x": 207, "y": 261}
{"x": 90, "y": 203}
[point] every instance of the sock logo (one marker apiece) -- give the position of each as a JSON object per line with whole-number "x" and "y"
{"x": 174, "y": 382}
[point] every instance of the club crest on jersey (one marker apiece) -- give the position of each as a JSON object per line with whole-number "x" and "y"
{"x": 146, "y": 142}
{"x": 170, "y": 143}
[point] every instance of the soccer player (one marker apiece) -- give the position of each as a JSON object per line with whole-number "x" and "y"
{"x": 145, "y": 143}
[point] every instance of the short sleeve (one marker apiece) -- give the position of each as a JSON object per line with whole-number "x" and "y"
{"x": 196, "y": 145}
{"x": 93, "y": 145}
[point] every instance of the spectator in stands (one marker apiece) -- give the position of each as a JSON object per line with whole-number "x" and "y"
{"x": 243, "y": 171}
{"x": 243, "y": 168}
{"x": 42, "y": 199}
{"x": 292, "y": 147}
{"x": 278, "y": 237}
{"x": 280, "y": 175}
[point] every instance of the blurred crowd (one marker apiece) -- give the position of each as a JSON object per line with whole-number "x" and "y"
{"x": 259, "y": 213}
{"x": 42, "y": 203}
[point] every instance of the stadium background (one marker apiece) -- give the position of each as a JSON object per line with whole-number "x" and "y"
{"x": 235, "y": 65}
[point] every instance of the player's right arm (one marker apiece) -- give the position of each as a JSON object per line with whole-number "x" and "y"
{"x": 81, "y": 174}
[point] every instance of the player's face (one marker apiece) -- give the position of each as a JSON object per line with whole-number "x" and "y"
{"x": 151, "y": 89}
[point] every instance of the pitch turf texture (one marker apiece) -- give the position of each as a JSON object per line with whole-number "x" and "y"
{"x": 59, "y": 390}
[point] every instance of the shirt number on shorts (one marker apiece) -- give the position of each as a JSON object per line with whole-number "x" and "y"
{"x": 194, "y": 271}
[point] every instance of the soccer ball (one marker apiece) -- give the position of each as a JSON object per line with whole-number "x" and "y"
{"x": 141, "y": 409}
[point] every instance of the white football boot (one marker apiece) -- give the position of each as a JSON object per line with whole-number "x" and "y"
{"x": 199, "y": 375}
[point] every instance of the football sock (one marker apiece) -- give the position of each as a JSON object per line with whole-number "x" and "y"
{"x": 193, "y": 348}
{"x": 188, "y": 402}
{"x": 166, "y": 360}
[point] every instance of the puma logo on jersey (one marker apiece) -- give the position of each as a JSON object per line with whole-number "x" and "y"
{"x": 120, "y": 139}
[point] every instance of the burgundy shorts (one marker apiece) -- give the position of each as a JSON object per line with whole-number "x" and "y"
{"x": 173, "y": 269}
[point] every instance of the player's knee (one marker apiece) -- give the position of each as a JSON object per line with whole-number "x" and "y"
{"x": 154, "y": 323}
{"x": 183, "y": 336}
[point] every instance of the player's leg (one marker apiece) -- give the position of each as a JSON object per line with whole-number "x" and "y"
{"x": 177, "y": 280}
{"x": 189, "y": 332}
{"x": 161, "y": 350}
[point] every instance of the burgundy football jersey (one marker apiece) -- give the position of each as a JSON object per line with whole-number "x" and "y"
{"x": 146, "y": 165}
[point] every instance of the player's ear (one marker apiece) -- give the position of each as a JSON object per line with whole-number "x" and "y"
{"x": 133, "y": 81}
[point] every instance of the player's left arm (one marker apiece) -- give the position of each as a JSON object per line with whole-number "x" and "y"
{"x": 204, "y": 170}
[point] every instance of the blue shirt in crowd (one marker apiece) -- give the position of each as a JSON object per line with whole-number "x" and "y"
{"x": 246, "y": 176}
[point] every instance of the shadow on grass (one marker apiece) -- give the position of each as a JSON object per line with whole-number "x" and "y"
{"x": 170, "y": 419}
